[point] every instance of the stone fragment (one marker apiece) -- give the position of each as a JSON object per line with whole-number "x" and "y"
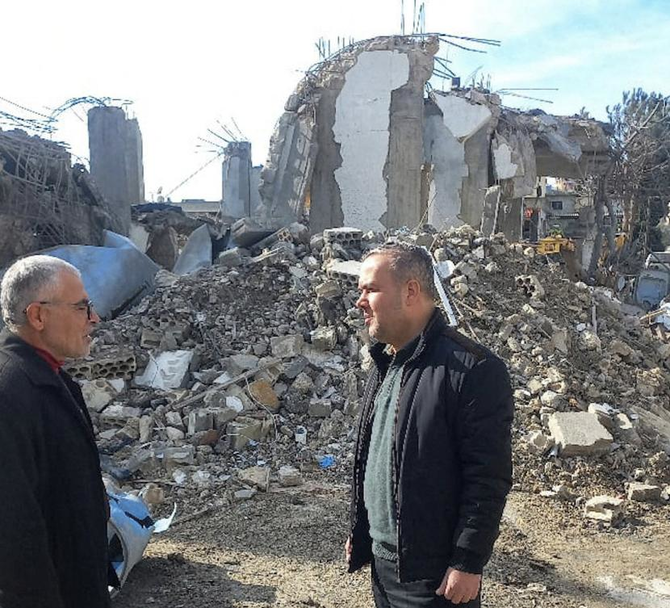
{"x": 643, "y": 492}
{"x": 258, "y": 477}
{"x": 244, "y": 494}
{"x": 579, "y": 434}
{"x": 152, "y": 494}
{"x": 289, "y": 476}
{"x": 324, "y": 338}
{"x": 603, "y": 508}
{"x": 590, "y": 341}
{"x": 174, "y": 434}
{"x": 178, "y": 455}
{"x": 98, "y": 394}
{"x": 538, "y": 442}
{"x": 243, "y": 430}
{"x": 262, "y": 392}
{"x": 231, "y": 258}
{"x": 146, "y": 428}
{"x": 200, "y": 420}
{"x": 618, "y": 347}
{"x": 120, "y": 413}
{"x": 238, "y": 364}
{"x": 174, "y": 419}
{"x": 286, "y": 347}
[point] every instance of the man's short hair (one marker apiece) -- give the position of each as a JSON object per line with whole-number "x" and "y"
{"x": 408, "y": 262}
{"x": 27, "y": 280}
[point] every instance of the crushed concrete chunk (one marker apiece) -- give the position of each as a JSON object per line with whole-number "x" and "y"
{"x": 258, "y": 477}
{"x": 579, "y": 434}
{"x": 604, "y": 508}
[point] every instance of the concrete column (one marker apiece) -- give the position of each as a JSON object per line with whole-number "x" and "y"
{"x": 115, "y": 148}
{"x": 237, "y": 173}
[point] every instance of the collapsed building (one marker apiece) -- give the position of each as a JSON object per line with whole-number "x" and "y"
{"x": 361, "y": 144}
{"x": 44, "y": 199}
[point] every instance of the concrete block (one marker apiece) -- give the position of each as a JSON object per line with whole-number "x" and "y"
{"x": 258, "y": 477}
{"x": 243, "y": 430}
{"x": 579, "y": 434}
{"x": 604, "y": 508}
{"x": 289, "y": 476}
{"x": 643, "y": 492}
{"x": 166, "y": 371}
{"x": 320, "y": 409}
{"x": 200, "y": 420}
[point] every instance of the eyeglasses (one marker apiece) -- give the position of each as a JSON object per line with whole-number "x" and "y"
{"x": 84, "y": 305}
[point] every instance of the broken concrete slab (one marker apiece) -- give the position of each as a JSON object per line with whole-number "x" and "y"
{"x": 166, "y": 371}
{"x": 579, "y": 434}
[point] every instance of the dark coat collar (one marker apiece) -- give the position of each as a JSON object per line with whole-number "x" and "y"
{"x": 36, "y": 368}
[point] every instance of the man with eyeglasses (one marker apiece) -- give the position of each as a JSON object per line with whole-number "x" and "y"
{"x": 53, "y": 511}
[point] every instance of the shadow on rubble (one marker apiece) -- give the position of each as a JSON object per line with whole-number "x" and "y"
{"x": 152, "y": 581}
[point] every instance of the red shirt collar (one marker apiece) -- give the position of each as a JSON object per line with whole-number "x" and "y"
{"x": 54, "y": 363}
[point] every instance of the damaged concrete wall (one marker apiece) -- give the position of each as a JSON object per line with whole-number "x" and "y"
{"x": 456, "y": 146}
{"x": 362, "y": 116}
{"x": 115, "y": 148}
{"x": 359, "y": 145}
{"x": 361, "y": 113}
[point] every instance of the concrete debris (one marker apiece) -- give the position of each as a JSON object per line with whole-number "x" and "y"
{"x": 579, "y": 434}
{"x": 289, "y": 476}
{"x": 261, "y": 365}
{"x": 603, "y": 508}
{"x": 643, "y": 492}
{"x": 258, "y": 477}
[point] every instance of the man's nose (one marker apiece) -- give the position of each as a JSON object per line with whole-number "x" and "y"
{"x": 361, "y": 300}
{"x": 95, "y": 318}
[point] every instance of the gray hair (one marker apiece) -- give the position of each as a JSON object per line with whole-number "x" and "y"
{"x": 409, "y": 262}
{"x": 29, "y": 280}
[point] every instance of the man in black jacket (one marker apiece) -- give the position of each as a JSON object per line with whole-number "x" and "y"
{"x": 433, "y": 457}
{"x": 53, "y": 512}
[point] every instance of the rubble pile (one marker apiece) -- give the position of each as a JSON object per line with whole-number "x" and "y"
{"x": 592, "y": 388}
{"x": 250, "y": 372}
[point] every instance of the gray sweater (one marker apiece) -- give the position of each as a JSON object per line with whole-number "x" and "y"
{"x": 378, "y": 484}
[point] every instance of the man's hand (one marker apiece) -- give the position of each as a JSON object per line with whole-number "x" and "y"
{"x": 347, "y": 550}
{"x": 459, "y": 587}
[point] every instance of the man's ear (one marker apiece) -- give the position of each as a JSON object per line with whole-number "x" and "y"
{"x": 413, "y": 288}
{"x": 35, "y": 316}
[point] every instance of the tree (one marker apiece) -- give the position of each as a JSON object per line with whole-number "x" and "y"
{"x": 639, "y": 173}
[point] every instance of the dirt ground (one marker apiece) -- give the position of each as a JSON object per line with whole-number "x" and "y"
{"x": 285, "y": 548}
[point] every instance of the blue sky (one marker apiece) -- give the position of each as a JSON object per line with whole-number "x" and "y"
{"x": 186, "y": 65}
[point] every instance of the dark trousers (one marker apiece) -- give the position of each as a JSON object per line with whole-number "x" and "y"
{"x": 389, "y": 593}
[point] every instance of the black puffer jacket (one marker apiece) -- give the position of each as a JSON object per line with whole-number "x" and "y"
{"x": 452, "y": 455}
{"x": 53, "y": 520}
